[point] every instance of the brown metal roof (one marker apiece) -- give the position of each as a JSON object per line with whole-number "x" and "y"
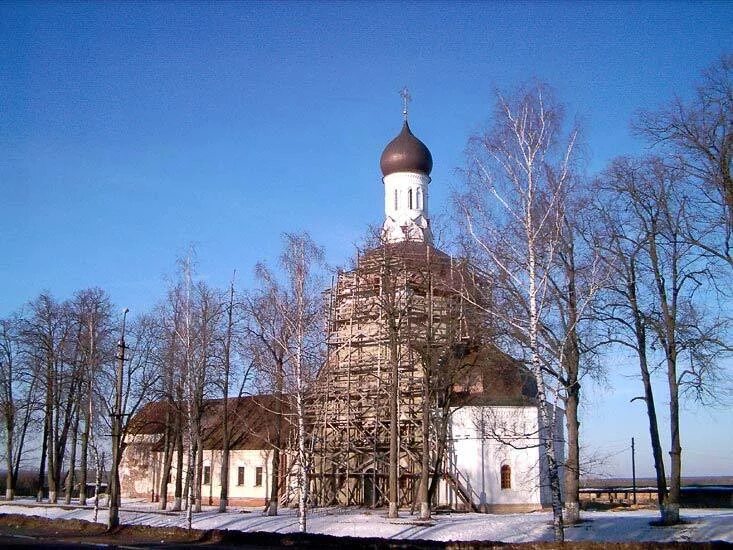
{"x": 252, "y": 421}
{"x": 494, "y": 378}
{"x": 406, "y": 153}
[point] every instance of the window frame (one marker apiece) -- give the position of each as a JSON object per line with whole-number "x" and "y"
{"x": 259, "y": 471}
{"x": 505, "y": 476}
{"x": 240, "y": 476}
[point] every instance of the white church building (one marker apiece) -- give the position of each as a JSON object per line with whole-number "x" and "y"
{"x": 494, "y": 458}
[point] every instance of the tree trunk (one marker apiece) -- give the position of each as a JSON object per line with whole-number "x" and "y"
{"x": 546, "y": 420}
{"x": 165, "y": 473}
{"x": 83, "y": 459}
{"x": 51, "y": 472}
{"x": 672, "y": 510}
{"x": 425, "y": 459}
{"x": 442, "y": 440}
{"x": 42, "y": 466}
{"x": 572, "y": 464}
{"x": 21, "y": 438}
{"x": 393, "y": 427}
{"x": 427, "y": 361}
{"x": 224, "y": 475}
{"x": 178, "y": 495}
{"x": 571, "y": 368}
{"x": 97, "y": 482}
{"x": 198, "y": 476}
{"x": 9, "y": 429}
{"x": 51, "y": 464}
{"x": 224, "y": 493}
{"x": 667, "y": 334}
{"x": 654, "y": 433}
{"x": 188, "y": 481}
{"x": 72, "y": 461}
{"x": 275, "y": 483}
{"x": 302, "y": 470}
{"x": 87, "y": 413}
{"x": 641, "y": 346}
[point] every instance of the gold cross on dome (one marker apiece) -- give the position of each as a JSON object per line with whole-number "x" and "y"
{"x": 406, "y": 98}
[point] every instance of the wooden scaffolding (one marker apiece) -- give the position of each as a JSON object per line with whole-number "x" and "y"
{"x": 410, "y": 287}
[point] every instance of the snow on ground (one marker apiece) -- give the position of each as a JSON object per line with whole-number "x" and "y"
{"x": 699, "y": 524}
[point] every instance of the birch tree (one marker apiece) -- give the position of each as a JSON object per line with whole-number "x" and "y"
{"x": 299, "y": 301}
{"x": 268, "y": 338}
{"x": 519, "y": 175}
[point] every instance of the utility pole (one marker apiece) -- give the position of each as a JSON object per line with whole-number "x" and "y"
{"x": 114, "y": 482}
{"x": 633, "y": 468}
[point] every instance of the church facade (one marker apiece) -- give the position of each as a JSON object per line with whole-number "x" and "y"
{"x": 407, "y": 355}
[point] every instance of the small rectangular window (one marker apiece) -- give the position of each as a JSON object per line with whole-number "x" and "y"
{"x": 506, "y": 477}
{"x": 258, "y": 476}
{"x": 207, "y": 475}
{"x": 240, "y": 475}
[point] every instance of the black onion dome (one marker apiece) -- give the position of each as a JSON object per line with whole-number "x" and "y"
{"x": 406, "y": 153}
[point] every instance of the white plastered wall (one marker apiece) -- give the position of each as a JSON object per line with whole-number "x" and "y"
{"x": 250, "y": 460}
{"x": 406, "y": 219}
{"x": 486, "y": 438}
{"x": 137, "y": 481}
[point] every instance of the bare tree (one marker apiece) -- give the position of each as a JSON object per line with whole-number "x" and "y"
{"x": 91, "y": 309}
{"x": 50, "y": 338}
{"x": 622, "y": 309}
{"x": 299, "y": 305}
{"x": 226, "y": 375}
{"x": 435, "y": 334}
{"x": 696, "y": 137}
{"x": 268, "y": 338}
{"x": 574, "y": 284}
{"x": 210, "y": 308}
{"x": 519, "y": 176}
{"x": 18, "y": 397}
{"x": 168, "y": 357}
{"x": 393, "y": 304}
{"x": 667, "y": 287}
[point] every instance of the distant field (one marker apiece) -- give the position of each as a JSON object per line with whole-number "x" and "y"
{"x": 650, "y": 481}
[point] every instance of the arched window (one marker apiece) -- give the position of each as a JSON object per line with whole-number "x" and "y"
{"x": 409, "y": 199}
{"x": 418, "y": 199}
{"x": 395, "y": 199}
{"x": 506, "y": 477}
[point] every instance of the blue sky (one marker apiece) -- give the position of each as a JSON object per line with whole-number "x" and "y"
{"x": 129, "y": 130}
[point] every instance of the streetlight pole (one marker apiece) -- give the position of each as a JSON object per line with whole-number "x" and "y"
{"x": 114, "y": 482}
